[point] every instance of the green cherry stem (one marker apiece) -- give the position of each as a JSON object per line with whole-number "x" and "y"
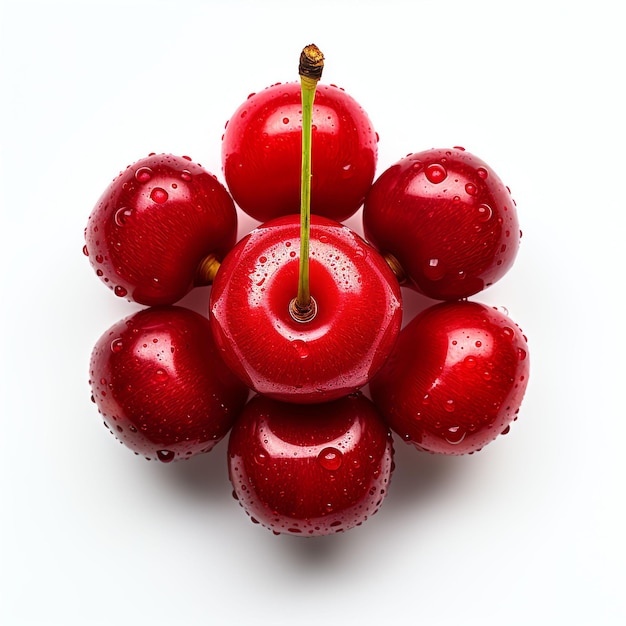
{"x": 303, "y": 307}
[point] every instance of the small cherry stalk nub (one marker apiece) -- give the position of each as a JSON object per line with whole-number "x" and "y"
{"x": 303, "y": 307}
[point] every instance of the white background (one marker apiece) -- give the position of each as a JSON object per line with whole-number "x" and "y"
{"x": 529, "y": 531}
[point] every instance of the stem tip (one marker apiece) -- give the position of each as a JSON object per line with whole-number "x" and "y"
{"x": 311, "y": 63}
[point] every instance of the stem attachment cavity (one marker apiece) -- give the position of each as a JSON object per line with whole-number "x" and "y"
{"x": 207, "y": 269}
{"x": 303, "y": 307}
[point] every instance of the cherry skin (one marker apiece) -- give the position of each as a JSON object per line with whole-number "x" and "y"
{"x": 359, "y": 311}
{"x": 310, "y": 470}
{"x": 161, "y": 386}
{"x": 456, "y": 378}
{"x": 155, "y": 224}
{"x": 447, "y": 218}
{"x": 261, "y": 153}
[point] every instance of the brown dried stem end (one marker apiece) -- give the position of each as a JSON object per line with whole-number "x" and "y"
{"x": 311, "y": 63}
{"x": 207, "y": 270}
{"x": 395, "y": 266}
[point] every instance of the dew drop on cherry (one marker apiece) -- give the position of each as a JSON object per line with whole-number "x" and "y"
{"x": 120, "y": 291}
{"x": 508, "y": 333}
{"x": 471, "y": 189}
{"x": 485, "y": 213}
{"x": 455, "y": 435}
{"x": 330, "y": 458}
{"x": 521, "y": 354}
{"x": 143, "y": 174}
{"x": 347, "y": 171}
{"x": 185, "y": 175}
{"x": 122, "y": 215}
{"x": 117, "y": 345}
{"x": 436, "y": 173}
{"x": 159, "y": 195}
{"x": 261, "y": 458}
{"x": 85, "y": 250}
{"x": 469, "y": 362}
{"x": 434, "y": 269}
{"x": 160, "y": 375}
{"x": 482, "y": 172}
{"x": 301, "y": 348}
{"x": 165, "y": 456}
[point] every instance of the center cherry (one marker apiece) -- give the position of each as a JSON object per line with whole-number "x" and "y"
{"x": 357, "y": 321}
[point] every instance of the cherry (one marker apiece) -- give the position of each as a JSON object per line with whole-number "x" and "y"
{"x": 447, "y": 219}
{"x": 159, "y": 229}
{"x": 160, "y": 385}
{"x": 455, "y": 379}
{"x": 357, "y": 320}
{"x": 261, "y": 153}
{"x": 313, "y": 469}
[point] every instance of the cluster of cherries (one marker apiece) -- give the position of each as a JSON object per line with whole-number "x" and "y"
{"x": 303, "y": 312}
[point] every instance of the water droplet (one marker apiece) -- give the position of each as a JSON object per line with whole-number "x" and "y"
{"x": 185, "y": 175}
{"x": 521, "y": 354}
{"x": 508, "y": 333}
{"x": 165, "y": 456}
{"x": 99, "y": 258}
{"x": 122, "y": 215}
{"x": 117, "y": 345}
{"x": 263, "y": 259}
{"x": 159, "y": 195}
{"x": 285, "y": 120}
{"x": 469, "y": 362}
{"x": 120, "y": 291}
{"x": 330, "y": 458}
{"x": 160, "y": 375}
{"x": 347, "y": 170}
{"x": 436, "y": 173}
{"x": 482, "y": 172}
{"x": 243, "y": 114}
{"x": 434, "y": 269}
{"x": 506, "y": 430}
{"x": 471, "y": 189}
{"x": 261, "y": 458}
{"x": 143, "y": 174}
{"x": 449, "y": 406}
{"x": 85, "y": 250}
{"x": 455, "y": 435}
{"x": 478, "y": 343}
{"x": 301, "y": 348}
{"x": 485, "y": 213}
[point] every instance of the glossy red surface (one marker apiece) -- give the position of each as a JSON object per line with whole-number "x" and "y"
{"x": 456, "y": 378}
{"x": 313, "y": 469}
{"x": 262, "y": 153}
{"x": 161, "y": 386}
{"x": 154, "y": 224}
{"x": 448, "y": 219}
{"x": 358, "y": 319}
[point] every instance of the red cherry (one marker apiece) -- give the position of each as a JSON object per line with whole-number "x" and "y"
{"x": 358, "y": 311}
{"x": 312, "y": 469}
{"x": 261, "y": 153}
{"x": 455, "y": 379}
{"x": 160, "y": 385}
{"x": 448, "y": 220}
{"x": 155, "y": 226}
